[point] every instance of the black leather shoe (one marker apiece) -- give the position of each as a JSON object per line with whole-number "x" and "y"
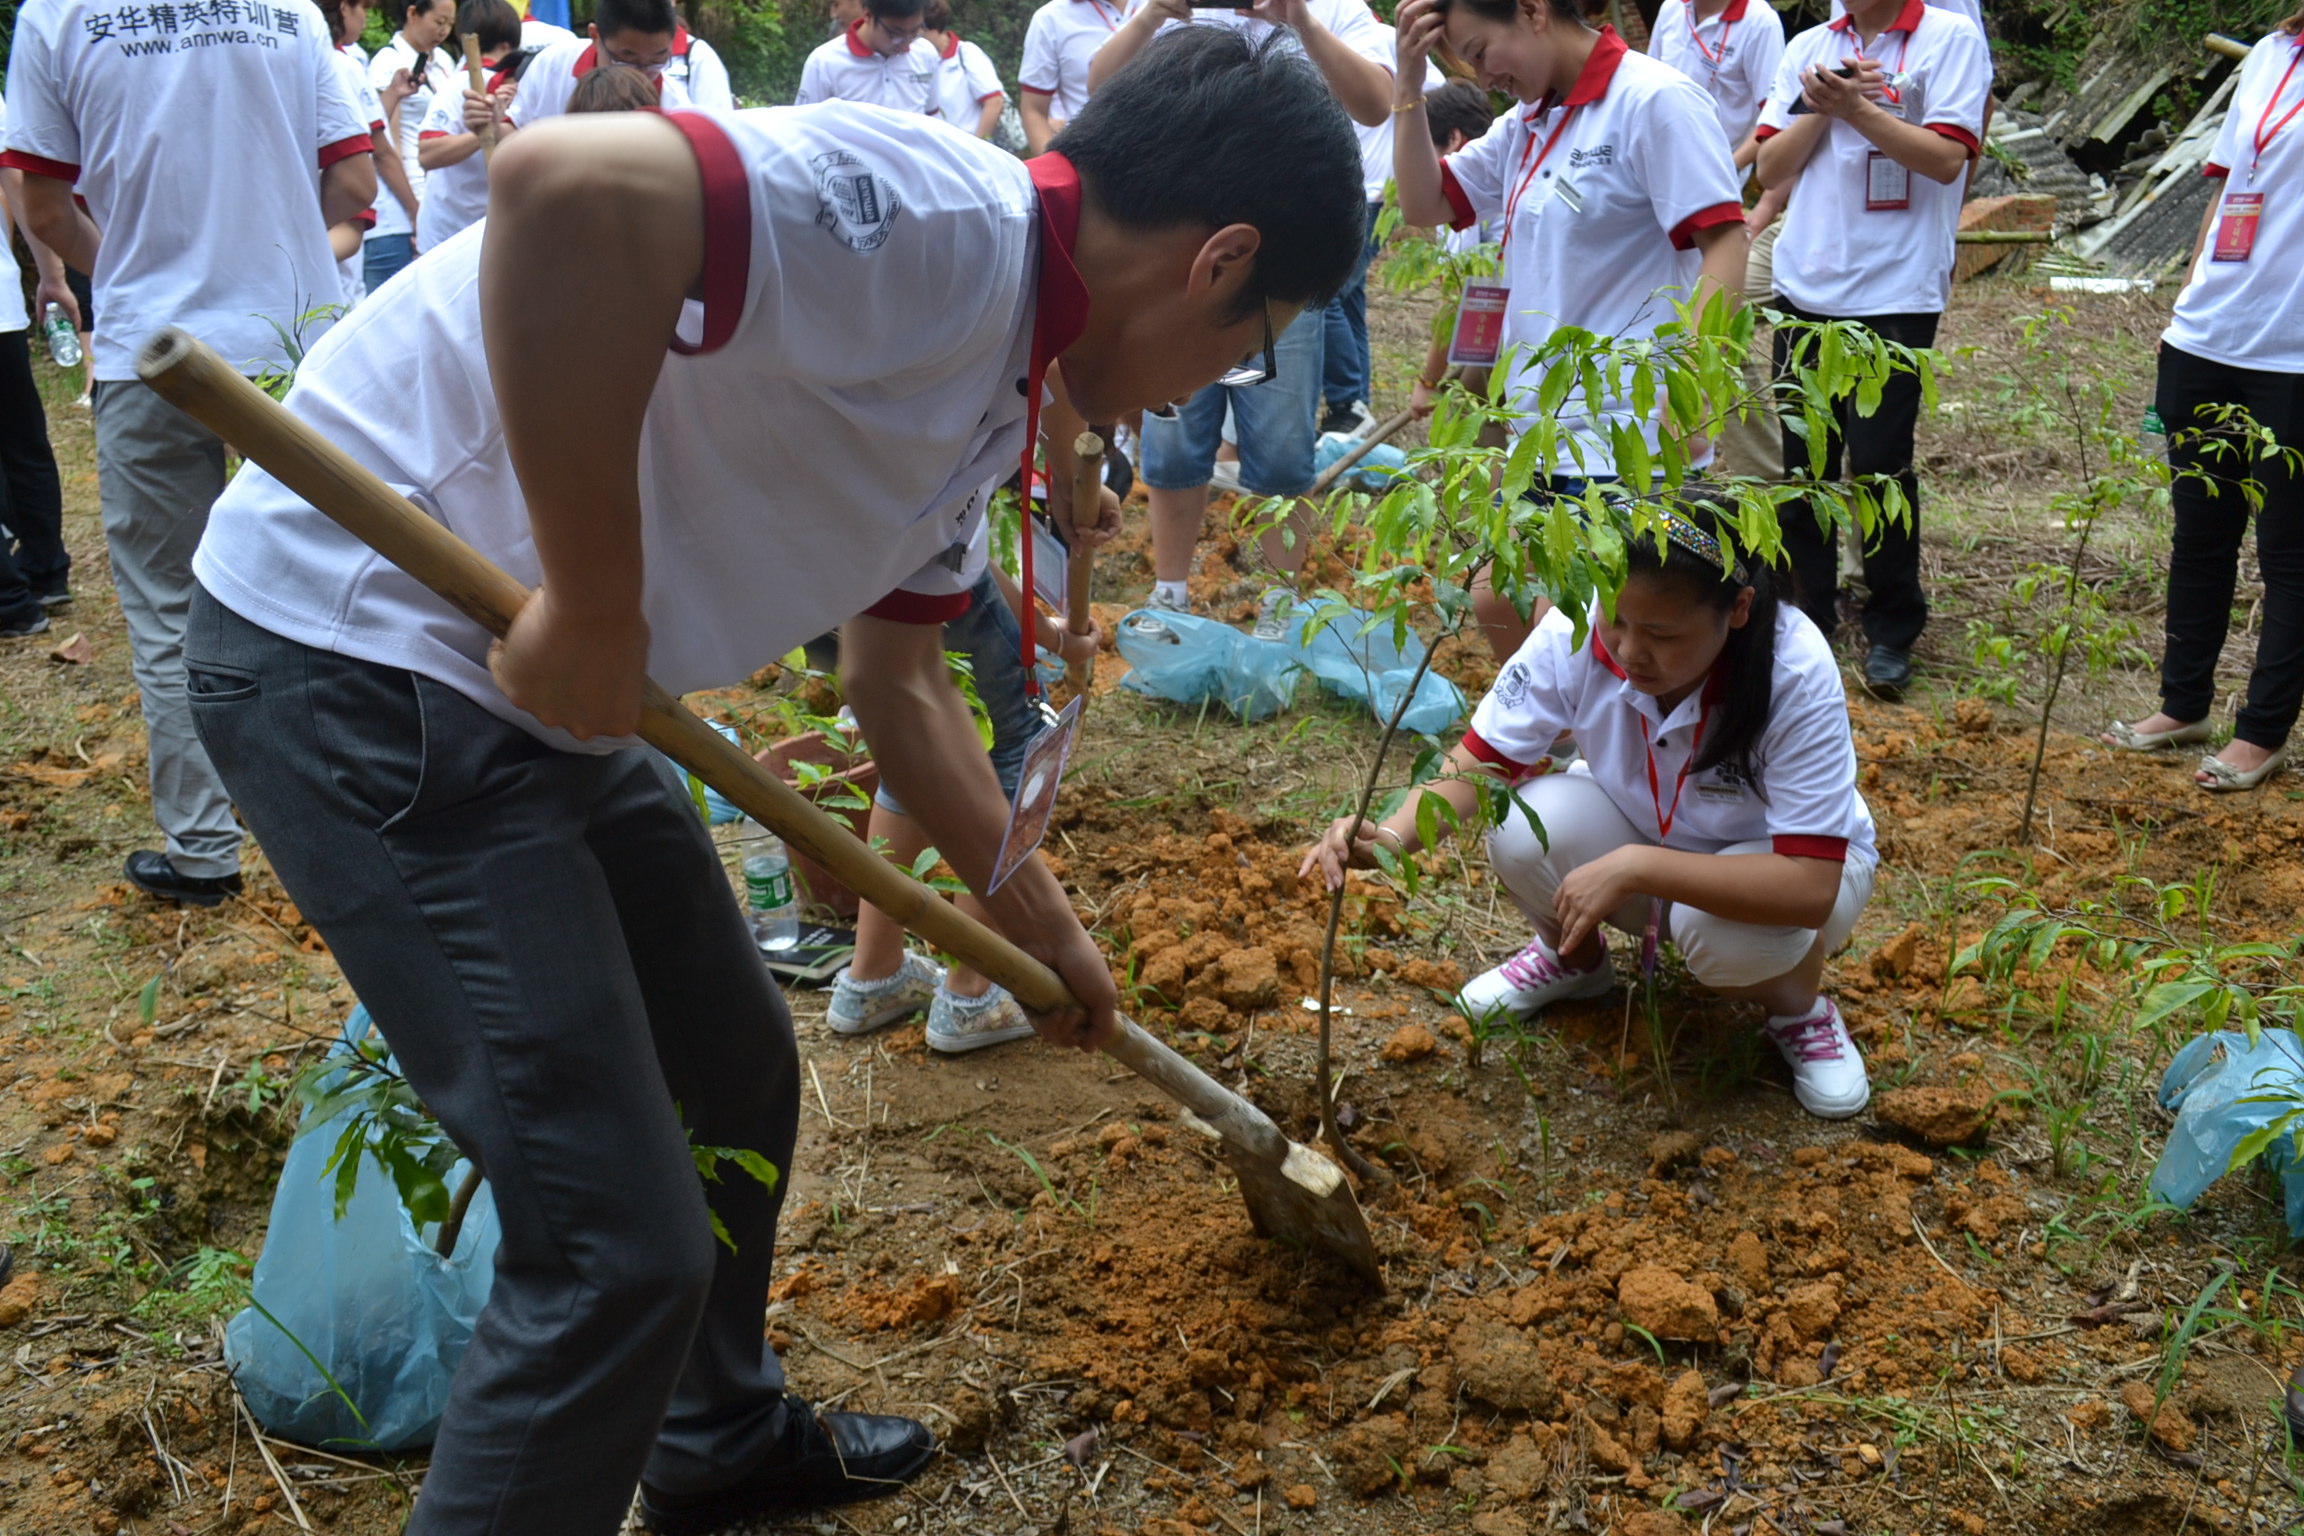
{"x": 1888, "y": 672}
{"x": 152, "y": 874}
{"x": 834, "y": 1458}
{"x": 23, "y": 621}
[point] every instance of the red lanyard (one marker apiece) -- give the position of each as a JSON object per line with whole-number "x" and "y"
{"x": 1696, "y": 37}
{"x": 1903, "y": 49}
{"x": 1512, "y": 203}
{"x": 2266, "y": 129}
{"x": 1665, "y": 818}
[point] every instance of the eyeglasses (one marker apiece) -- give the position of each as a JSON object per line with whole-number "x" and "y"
{"x": 1248, "y": 373}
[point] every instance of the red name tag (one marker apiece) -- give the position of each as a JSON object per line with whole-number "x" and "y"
{"x": 1479, "y": 337}
{"x": 2236, "y": 228}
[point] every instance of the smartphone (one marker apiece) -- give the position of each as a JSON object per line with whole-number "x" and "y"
{"x": 1800, "y": 103}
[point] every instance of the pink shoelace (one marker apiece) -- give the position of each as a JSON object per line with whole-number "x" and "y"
{"x": 1532, "y": 967}
{"x": 1816, "y": 1039}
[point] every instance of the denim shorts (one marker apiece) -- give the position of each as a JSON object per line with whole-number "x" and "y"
{"x": 989, "y": 637}
{"x": 1278, "y": 421}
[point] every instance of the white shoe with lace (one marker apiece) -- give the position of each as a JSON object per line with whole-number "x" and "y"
{"x": 859, "y": 1007}
{"x": 1828, "y": 1076}
{"x": 1272, "y": 615}
{"x": 960, "y": 1024}
{"x": 1531, "y": 981}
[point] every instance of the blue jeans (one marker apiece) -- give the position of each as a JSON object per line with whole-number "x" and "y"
{"x": 383, "y": 255}
{"x": 989, "y": 636}
{"x": 1349, "y": 371}
{"x": 1278, "y": 420}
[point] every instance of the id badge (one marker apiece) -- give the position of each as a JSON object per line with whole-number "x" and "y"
{"x": 1479, "y": 337}
{"x": 2236, "y": 225}
{"x": 1036, "y": 786}
{"x": 1049, "y": 562}
{"x": 1887, "y": 185}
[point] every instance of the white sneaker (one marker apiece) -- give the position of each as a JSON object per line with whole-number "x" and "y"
{"x": 1272, "y": 615}
{"x": 1146, "y": 620}
{"x": 1828, "y": 1075}
{"x": 859, "y": 1007}
{"x": 1224, "y": 476}
{"x": 957, "y": 1024}
{"x": 1531, "y": 981}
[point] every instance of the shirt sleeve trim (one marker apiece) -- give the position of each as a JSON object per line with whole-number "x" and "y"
{"x": 901, "y": 607}
{"x": 1765, "y": 132}
{"x": 1479, "y": 748}
{"x": 1037, "y": 90}
{"x": 1800, "y": 845}
{"x": 2211, "y": 170}
{"x": 345, "y": 149}
{"x": 1460, "y": 204}
{"x": 1684, "y": 233}
{"x": 727, "y": 229}
{"x": 34, "y": 165}
{"x": 436, "y": 133}
{"x": 1957, "y": 135}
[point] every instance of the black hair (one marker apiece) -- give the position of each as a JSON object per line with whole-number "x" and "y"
{"x": 1507, "y": 13}
{"x": 2294, "y": 25}
{"x": 332, "y": 12}
{"x": 1747, "y": 664}
{"x": 897, "y": 9}
{"x": 420, "y": 8}
{"x": 493, "y": 22}
{"x": 1205, "y": 129}
{"x": 647, "y": 16}
{"x": 936, "y": 16}
{"x": 1458, "y": 107}
{"x": 612, "y": 88}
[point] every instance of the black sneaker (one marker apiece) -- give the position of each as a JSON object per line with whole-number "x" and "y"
{"x": 1888, "y": 673}
{"x": 24, "y": 622}
{"x": 835, "y": 1458}
{"x": 1353, "y": 418}
{"x": 152, "y": 873}
{"x": 58, "y": 596}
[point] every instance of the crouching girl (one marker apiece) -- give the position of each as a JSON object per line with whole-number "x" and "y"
{"x": 1716, "y": 798}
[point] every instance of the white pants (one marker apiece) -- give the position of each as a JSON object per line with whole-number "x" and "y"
{"x": 1583, "y": 824}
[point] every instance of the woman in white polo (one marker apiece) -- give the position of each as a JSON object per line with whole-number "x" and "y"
{"x": 1715, "y": 805}
{"x": 2237, "y": 339}
{"x": 1613, "y": 180}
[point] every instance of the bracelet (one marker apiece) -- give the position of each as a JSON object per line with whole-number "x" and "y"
{"x": 1381, "y": 829}
{"x": 1432, "y": 383}
{"x": 1407, "y": 106}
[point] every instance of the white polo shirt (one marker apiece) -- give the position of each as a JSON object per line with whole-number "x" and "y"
{"x": 1967, "y": 8}
{"x": 536, "y": 35}
{"x": 1060, "y": 44}
{"x": 1836, "y": 256}
{"x": 965, "y": 80}
{"x": 442, "y": 75}
{"x": 13, "y": 314}
{"x": 1601, "y": 231}
{"x": 843, "y": 69}
{"x": 551, "y": 77}
{"x": 796, "y": 467}
{"x": 2250, "y": 314}
{"x": 197, "y": 145}
{"x": 1805, "y": 804}
{"x": 1733, "y": 56}
{"x": 456, "y": 196}
{"x": 353, "y": 70}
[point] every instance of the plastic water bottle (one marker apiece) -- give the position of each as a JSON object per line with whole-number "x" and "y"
{"x": 63, "y": 344}
{"x": 768, "y": 897}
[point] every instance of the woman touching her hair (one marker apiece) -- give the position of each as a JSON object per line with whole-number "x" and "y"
{"x": 1716, "y": 800}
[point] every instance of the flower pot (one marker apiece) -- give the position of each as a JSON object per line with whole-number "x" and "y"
{"x": 851, "y": 770}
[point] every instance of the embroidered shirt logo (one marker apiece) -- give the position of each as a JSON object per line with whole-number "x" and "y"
{"x": 858, "y": 207}
{"x": 1599, "y": 154}
{"x": 1512, "y": 685}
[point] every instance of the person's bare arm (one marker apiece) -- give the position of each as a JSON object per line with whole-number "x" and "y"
{"x": 1725, "y": 247}
{"x": 602, "y": 217}
{"x": 989, "y": 118}
{"x": 347, "y": 188}
{"x": 393, "y": 171}
{"x": 1130, "y": 39}
{"x": 1918, "y": 149}
{"x": 1783, "y": 155}
{"x": 1747, "y": 151}
{"x": 51, "y": 217}
{"x": 52, "y": 286}
{"x": 1039, "y": 127}
{"x": 1348, "y": 846}
{"x": 1765, "y": 889}
{"x": 1362, "y": 87}
{"x": 1415, "y": 159}
{"x": 923, "y": 738}
{"x": 446, "y": 149}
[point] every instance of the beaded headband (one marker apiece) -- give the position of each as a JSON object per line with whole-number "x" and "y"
{"x": 1700, "y": 543}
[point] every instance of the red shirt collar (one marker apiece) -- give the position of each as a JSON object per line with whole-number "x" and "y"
{"x": 951, "y": 45}
{"x": 855, "y": 43}
{"x": 1061, "y": 312}
{"x": 1735, "y": 11}
{"x": 1907, "y": 20}
{"x": 1599, "y": 70}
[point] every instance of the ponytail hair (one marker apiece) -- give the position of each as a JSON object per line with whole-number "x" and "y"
{"x": 1690, "y": 551}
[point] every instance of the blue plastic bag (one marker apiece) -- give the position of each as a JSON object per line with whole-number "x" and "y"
{"x": 2205, "y": 1085}
{"x": 367, "y": 1296}
{"x": 1374, "y": 471}
{"x": 1369, "y": 668}
{"x": 1187, "y": 659}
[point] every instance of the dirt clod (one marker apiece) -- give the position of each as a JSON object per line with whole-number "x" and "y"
{"x": 1670, "y": 1150}
{"x": 1248, "y": 979}
{"x": 18, "y": 1297}
{"x": 1302, "y": 1496}
{"x": 1668, "y": 1305}
{"x": 1941, "y": 1117}
{"x": 2164, "y": 1422}
{"x": 1686, "y": 1406}
{"x": 1412, "y": 1042}
{"x": 1497, "y": 1365}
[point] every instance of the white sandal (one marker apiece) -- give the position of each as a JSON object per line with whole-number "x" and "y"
{"x": 2120, "y": 736}
{"x": 2223, "y": 778}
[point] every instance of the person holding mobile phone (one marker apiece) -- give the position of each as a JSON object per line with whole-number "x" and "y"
{"x": 1882, "y": 157}
{"x": 418, "y": 51}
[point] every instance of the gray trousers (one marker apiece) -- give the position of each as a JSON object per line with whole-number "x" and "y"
{"x": 550, "y": 945}
{"x": 1755, "y": 446}
{"x": 158, "y": 472}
